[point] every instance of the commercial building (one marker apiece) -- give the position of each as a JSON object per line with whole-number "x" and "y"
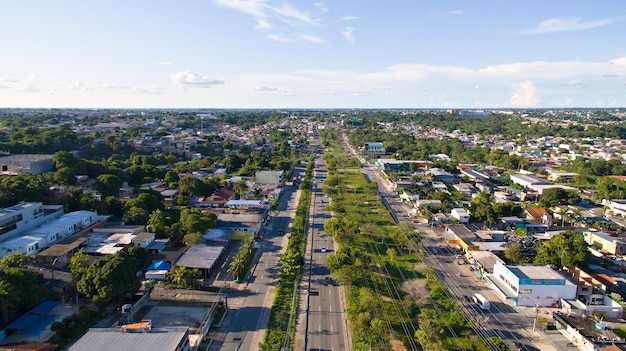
{"x": 26, "y": 164}
{"x": 144, "y": 339}
{"x": 539, "y": 286}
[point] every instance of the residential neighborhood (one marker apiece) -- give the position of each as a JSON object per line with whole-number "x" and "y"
{"x": 182, "y": 206}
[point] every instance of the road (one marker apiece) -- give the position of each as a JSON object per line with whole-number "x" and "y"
{"x": 250, "y": 302}
{"x": 502, "y": 319}
{"x": 326, "y": 316}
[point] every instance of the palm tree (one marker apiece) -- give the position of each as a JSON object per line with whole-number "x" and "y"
{"x": 240, "y": 187}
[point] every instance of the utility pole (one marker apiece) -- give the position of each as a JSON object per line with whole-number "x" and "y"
{"x": 536, "y": 314}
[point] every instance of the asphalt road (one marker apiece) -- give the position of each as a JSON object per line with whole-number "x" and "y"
{"x": 250, "y": 302}
{"x": 326, "y": 316}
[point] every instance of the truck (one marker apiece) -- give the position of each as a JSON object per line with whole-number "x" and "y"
{"x": 481, "y": 301}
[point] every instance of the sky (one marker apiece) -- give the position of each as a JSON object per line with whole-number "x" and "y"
{"x": 312, "y": 54}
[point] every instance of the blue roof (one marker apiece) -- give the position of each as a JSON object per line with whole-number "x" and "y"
{"x": 160, "y": 265}
{"x": 44, "y": 307}
{"x": 35, "y": 320}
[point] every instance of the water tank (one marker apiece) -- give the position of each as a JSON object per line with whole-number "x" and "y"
{"x": 127, "y": 308}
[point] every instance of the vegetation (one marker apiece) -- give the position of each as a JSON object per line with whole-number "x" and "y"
{"x": 112, "y": 279}
{"x": 241, "y": 261}
{"x": 73, "y": 326}
{"x": 20, "y": 288}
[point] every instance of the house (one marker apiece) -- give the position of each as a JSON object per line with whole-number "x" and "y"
{"x": 373, "y": 147}
{"x": 460, "y": 214}
{"x": 538, "y": 214}
{"x": 143, "y": 239}
{"x": 441, "y": 175}
{"x": 170, "y": 195}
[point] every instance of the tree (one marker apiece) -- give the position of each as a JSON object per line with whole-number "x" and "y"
{"x": 513, "y": 253}
{"x": 192, "y": 186}
{"x": 109, "y": 184}
{"x": 565, "y": 249}
{"x": 16, "y": 260}
{"x": 109, "y": 280}
{"x": 241, "y": 187}
{"x": 183, "y": 276}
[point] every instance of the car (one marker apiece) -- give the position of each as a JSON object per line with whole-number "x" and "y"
{"x": 519, "y": 346}
{"x": 323, "y": 249}
{"x": 467, "y": 298}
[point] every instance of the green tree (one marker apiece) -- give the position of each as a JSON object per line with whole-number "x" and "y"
{"x": 109, "y": 280}
{"x": 183, "y": 276}
{"x": 109, "y": 184}
{"x": 513, "y": 253}
{"x": 565, "y": 249}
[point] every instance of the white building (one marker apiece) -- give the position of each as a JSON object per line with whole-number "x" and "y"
{"x": 269, "y": 177}
{"x": 19, "y": 219}
{"x": 374, "y": 147}
{"x": 532, "y": 285}
{"x": 460, "y": 214}
{"x": 617, "y": 206}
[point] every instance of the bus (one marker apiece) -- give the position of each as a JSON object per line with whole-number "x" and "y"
{"x": 481, "y": 301}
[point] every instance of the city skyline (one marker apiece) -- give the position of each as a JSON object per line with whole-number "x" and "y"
{"x": 297, "y": 54}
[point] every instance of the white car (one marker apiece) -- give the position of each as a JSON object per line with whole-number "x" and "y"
{"x": 323, "y": 249}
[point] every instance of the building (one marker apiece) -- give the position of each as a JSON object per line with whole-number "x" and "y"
{"x": 18, "y": 219}
{"x": 202, "y": 257}
{"x": 539, "y": 286}
{"x": 604, "y": 242}
{"x": 143, "y": 339}
{"x": 617, "y": 206}
{"x": 460, "y": 214}
{"x": 373, "y": 147}
{"x": 26, "y": 164}
{"x": 526, "y": 181}
{"x": 274, "y": 178}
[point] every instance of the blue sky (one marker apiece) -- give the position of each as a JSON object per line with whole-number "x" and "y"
{"x": 308, "y": 54}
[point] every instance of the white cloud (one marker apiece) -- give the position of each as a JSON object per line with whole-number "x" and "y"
{"x": 31, "y": 84}
{"x": 348, "y": 18}
{"x": 348, "y": 34}
{"x": 114, "y": 86}
{"x": 262, "y": 24}
{"x": 80, "y": 86}
{"x": 275, "y": 18}
{"x": 455, "y": 12}
{"x": 264, "y": 88}
{"x": 165, "y": 63}
{"x": 575, "y": 82}
{"x": 311, "y": 38}
{"x": 187, "y": 79}
{"x": 524, "y": 95}
{"x": 321, "y": 6}
{"x": 150, "y": 90}
{"x": 567, "y": 24}
{"x": 280, "y": 38}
